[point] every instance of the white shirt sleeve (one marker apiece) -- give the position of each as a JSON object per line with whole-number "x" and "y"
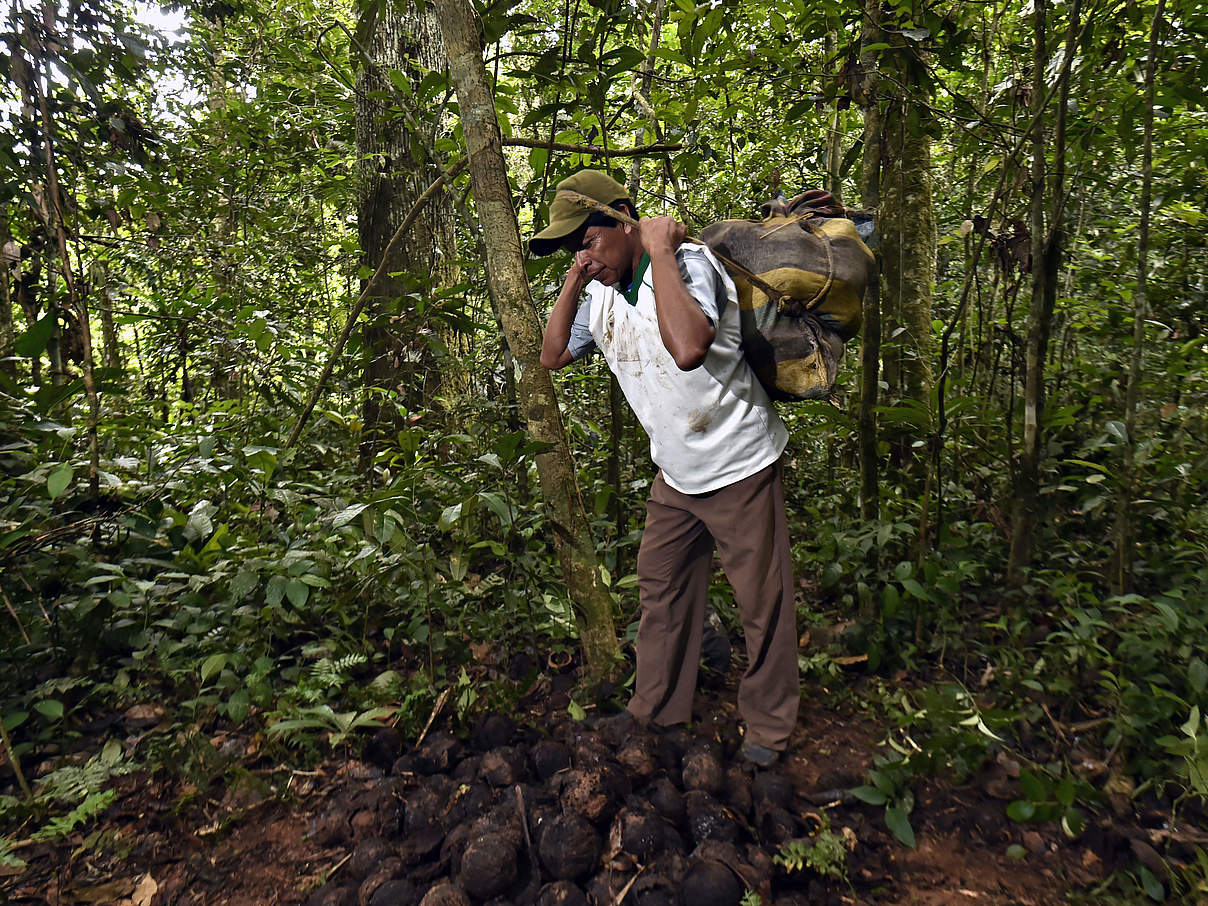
{"x": 581, "y": 342}
{"x": 703, "y": 281}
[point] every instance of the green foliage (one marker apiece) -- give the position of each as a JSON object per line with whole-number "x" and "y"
{"x": 825, "y": 853}
{"x": 1046, "y": 799}
{"x": 253, "y": 588}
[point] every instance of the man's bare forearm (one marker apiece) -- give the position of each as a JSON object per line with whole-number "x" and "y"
{"x": 685, "y": 331}
{"x": 556, "y": 338}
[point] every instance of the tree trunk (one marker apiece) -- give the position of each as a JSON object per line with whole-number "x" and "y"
{"x": 834, "y": 137}
{"x": 1045, "y": 262}
{"x": 394, "y": 168}
{"x": 77, "y": 304}
{"x": 870, "y": 199}
{"x": 10, "y": 257}
{"x": 112, "y": 350}
{"x": 908, "y": 239}
{"x": 1122, "y": 572}
{"x": 510, "y": 289}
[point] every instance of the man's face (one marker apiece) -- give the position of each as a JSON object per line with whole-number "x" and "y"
{"x": 607, "y": 254}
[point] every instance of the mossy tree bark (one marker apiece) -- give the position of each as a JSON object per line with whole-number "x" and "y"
{"x": 870, "y": 199}
{"x": 510, "y": 290}
{"x": 394, "y": 168}
{"x": 908, "y": 238}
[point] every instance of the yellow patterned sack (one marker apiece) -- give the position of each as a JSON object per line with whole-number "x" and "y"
{"x": 811, "y": 253}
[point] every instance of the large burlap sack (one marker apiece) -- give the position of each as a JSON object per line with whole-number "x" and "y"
{"x": 811, "y": 253}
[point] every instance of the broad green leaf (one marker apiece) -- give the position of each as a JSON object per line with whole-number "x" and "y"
{"x": 275, "y": 591}
{"x": 1192, "y": 724}
{"x": 50, "y": 708}
{"x": 199, "y": 526}
{"x": 1151, "y": 885}
{"x": 449, "y": 517}
{"x": 58, "y": 480}
{"x": 238, "y": 705}
{"x": 1021, "y": 810}
{"x": 891, "y": 601}
{"x": 297, "y": 591}
{"x": 33, "y": 341}
{"x": 899, "y": 824}
{"x": 243, "y": 584}
{"x": 497, "y": 505}
{"x": 212, "y": 665}
{"x": 1033, "y": 786}
{"x": 1197, "y": 675}
{"x": 870, "y": 794}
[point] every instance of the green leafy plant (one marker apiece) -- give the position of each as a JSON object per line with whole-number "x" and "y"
{"x": 1047, "y": 799}
{"x": 825, "y": 853}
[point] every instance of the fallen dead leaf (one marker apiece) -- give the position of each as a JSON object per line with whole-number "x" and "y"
{"x": 146, "y": 888}
{"x": 148, "y": 715}
{"x": 850, "y": 659}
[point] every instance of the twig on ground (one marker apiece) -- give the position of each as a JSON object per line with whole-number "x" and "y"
{"x": 625, "y": 890}
{"x": 436, "y": 708}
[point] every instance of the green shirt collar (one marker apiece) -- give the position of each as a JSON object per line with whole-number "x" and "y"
{"x": 639, "y": 276}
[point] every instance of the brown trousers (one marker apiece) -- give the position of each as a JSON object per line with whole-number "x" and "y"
{"x": 747, "y": 522}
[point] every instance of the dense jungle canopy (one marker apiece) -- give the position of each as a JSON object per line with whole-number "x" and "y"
{"x": 278, "y": 461}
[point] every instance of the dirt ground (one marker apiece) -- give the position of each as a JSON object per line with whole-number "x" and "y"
{"x": 262, "y": 833}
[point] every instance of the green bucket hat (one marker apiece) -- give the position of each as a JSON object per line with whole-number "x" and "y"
{"x": 566, "y": 216}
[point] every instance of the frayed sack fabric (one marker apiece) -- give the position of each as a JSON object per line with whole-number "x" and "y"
{"x": 811, "y": 254}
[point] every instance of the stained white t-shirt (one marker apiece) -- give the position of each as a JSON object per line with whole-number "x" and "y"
{"x": 708, "y": 427}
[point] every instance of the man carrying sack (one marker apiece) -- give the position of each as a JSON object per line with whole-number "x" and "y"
{"x": 665, "y": 315}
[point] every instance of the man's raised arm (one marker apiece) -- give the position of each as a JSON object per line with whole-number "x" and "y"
{"x": 685, "y": 331}
{"x": 554, "y": 354}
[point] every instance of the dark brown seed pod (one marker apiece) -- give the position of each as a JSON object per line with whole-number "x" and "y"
{"x": 502, "y": 766}
{"x": 702, "y": 768}
{"x": 587, "y": 793}
{"x": 437, "y": 753}
{"x": 488, "y": 866}
{"x": 384, "y": 748}
{"x": 606, "y": 887}
{"x": 711, "y": 884}
{"x": 667, "y": 800}
{"x": 638, "y": 757}
{"x": 445, "y": 893}
{"x": 420, "y": 843}
{"x": 399, "y": 892}
{"x": 549, "y": 757}
{"x": 708, "y": 819}
{"x": 569, "y": 847}
{"x": 561, "y": 893}
{"x": 386, "y": 870}
{"x": 490, "y": 731}
{"x": 638, "y": 833}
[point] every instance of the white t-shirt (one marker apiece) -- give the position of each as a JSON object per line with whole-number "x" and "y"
{"x": 708, "y": 427}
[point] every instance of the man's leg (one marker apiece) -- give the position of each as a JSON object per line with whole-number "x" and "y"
{"x": 674, "y": 563}
{"x": 747, "y": 519}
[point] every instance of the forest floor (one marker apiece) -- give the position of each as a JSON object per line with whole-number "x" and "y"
{"x": 265, "y": 834}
